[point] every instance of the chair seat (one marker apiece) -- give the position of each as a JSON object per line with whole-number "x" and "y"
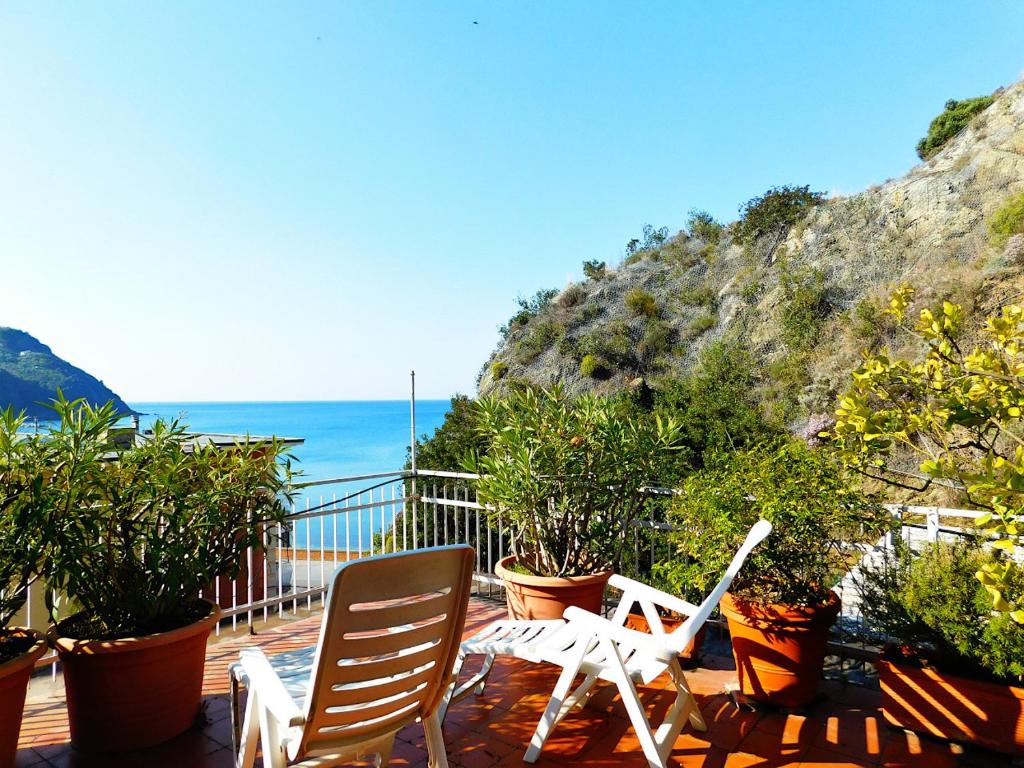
{"x": 556, "y": 642}
{"x": 294, "y": 668}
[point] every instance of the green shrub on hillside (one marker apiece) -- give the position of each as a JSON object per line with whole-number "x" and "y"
{"x": 571, "y": 296}
{"x": 593, "y": 367}
{"x": 498, "y": 370}
{"x": 703, "y": 225}
{"x": 774, "y": 212}
{"x": 594, "y": 269}
{"x": 804, "y": 309}
{"x": 700, "y": 324}
{"x": 612, "y": 343}
{"x": 1007, "y": 221}
{"x": 656, "y": 341}
{"x": 528, "y": 309}
{"x": 541, "y": 335}
{"x": 640, "y": 302}
{"x": 953, "y": 119}
{"x": 699, "y": 296}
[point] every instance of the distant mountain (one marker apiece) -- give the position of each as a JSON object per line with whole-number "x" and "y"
{"x": 30, "y": 375}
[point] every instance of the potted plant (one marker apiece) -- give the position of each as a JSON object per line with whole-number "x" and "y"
{"x": 20, "y": 648}
{"x": 136, "y": 533}
{"x": 781, "y": 606}
{"x": 953, "y": 667}
{"x": 566, "y": 476}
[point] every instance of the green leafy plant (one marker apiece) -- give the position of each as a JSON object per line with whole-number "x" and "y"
{"x": 805, "y": 307}
{"x": 702, "y": 224}
{"x": 528, "y": 309}
{"x": 135, "y": 533}
{"x": 22, "y": 478}
{"x": 930, "y": 601}
{"x": 566, "y": 475}
{"x": 699, "y": 296}
{"x": 498, "y": 370}
{"x": 701, "y": 323}
{"x": 819, "y": 516}
{"x": 774, "y": 212}
{"x": 1007, "y": 221}
{"x": 594, "y": 269}
{"x": 593, "y": 367}
{"x": 957, "y": 412}
{"x": 953, "y": 119}
{"x": 641, "y": 303}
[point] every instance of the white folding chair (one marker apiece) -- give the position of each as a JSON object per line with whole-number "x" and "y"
{"x": 606, "y": 650}
{"x": 389, "y": 636}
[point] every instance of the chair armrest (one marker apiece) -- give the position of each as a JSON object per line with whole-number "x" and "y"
{"x": 656, "y": 596}
{"x": 264, "y": 682}
{"x": 601, "y": 627}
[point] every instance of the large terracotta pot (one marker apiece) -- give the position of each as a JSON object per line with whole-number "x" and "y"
{"x": 636, "y": 620}
{"x": 547, "y": 597}
{"x": 779, "y": 649}
{"x": 134, "y": 692}
{"x": 951, "y": 707}
{"x": 14, "y": 676}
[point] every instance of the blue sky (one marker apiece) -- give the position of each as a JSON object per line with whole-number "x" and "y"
{"x": 208, "y": 201}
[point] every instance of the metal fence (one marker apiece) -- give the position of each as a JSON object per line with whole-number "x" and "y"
{"x": 338, "y": 519}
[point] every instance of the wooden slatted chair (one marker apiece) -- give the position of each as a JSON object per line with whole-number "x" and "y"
{"x": 389, "y": 636}
{"x": 606, "y": 650}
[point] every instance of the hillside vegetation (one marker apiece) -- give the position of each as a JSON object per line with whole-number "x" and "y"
{"x": 797, "y": 285}
{"x": 30, "y": 375}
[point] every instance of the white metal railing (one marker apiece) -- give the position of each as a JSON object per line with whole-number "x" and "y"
{"x": 337, "y": 519}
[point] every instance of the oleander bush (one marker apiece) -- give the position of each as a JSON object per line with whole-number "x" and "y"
{"x": 956, "y": 116}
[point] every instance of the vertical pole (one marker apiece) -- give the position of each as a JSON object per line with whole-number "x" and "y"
{"x": 412, "y": 449}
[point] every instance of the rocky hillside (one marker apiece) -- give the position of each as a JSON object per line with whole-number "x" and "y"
{"x": 30, "y": 375}
{"x": 805, "y": 298}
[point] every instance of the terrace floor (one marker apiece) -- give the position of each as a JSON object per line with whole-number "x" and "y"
{"x": 843, "y": 728}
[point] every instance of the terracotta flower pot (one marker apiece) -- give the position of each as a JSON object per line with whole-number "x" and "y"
{"x": 14, "y": 675}
{"x": 547, "y": 597}
{"x": 779, "y": 649}
{"x": 134, "y": 692}
{"x": 639, "y": 622}
{"x": 951, "y": 707}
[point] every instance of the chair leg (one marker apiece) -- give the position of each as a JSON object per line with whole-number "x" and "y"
{"x": 384, "y": 748}
{"x": 634, "y": 708}
{"x": 477, "y": 682}
{"x": 270, "y": 738}
{"x": 437, "y": 757}
{"x": 245, "y": 754}
{"x": 236, "y": 719}
{"x": 560, "y": 703}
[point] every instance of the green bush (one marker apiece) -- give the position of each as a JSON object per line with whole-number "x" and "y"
{"x": 593, "y": 367}
{"x": 566, "y": 476}
{"x": 699, "y": 296}
{"x": 640, "y": 302}
{"x": 805, "y": 307}
{"x": 953, "y": 119}
{"x": 716, "y": 405}
{"x": 451, "y": 442}
{"x": 498, "y": 369}
{"x": 774, "y": 212}
{"x": 932, "y": 601}
{"x": 656, "y": 341}
{"x": 572, "y": 295}
{"x": 700, "y": 324}
{"x": 594, "y": 269}
{"x": 820, "y": 517}
{"x": 528, "y": 309}
{"x": 1007, "y": 221}
{"x": 540, "y": 336}
{"x": 612, "y": 343}
{"x": 702, "y": 224}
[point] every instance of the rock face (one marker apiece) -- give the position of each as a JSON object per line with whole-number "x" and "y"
{"x": 30, "y": 375}
{"x": 927, "y": 229}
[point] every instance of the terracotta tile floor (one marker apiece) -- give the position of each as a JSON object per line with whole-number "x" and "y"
{"x": 844, "y": 728}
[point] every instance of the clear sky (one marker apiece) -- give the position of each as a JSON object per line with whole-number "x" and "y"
{"x": 203, "y": 201}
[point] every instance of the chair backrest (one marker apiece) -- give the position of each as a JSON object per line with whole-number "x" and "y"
{"x": 680, "y": 637}
{"x": 388, "y": 640}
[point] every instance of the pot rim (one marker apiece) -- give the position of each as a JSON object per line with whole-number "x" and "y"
{"x": 740, "y": 608}
{"x": 27, "y": 658}
{"x": 501, "y": 568}
{"x": 73, "y": 646}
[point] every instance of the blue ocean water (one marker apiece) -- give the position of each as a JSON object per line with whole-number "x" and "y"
{"x": 342, "y": 439}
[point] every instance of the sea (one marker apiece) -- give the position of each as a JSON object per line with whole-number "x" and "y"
{"x": 340, "y": 439}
